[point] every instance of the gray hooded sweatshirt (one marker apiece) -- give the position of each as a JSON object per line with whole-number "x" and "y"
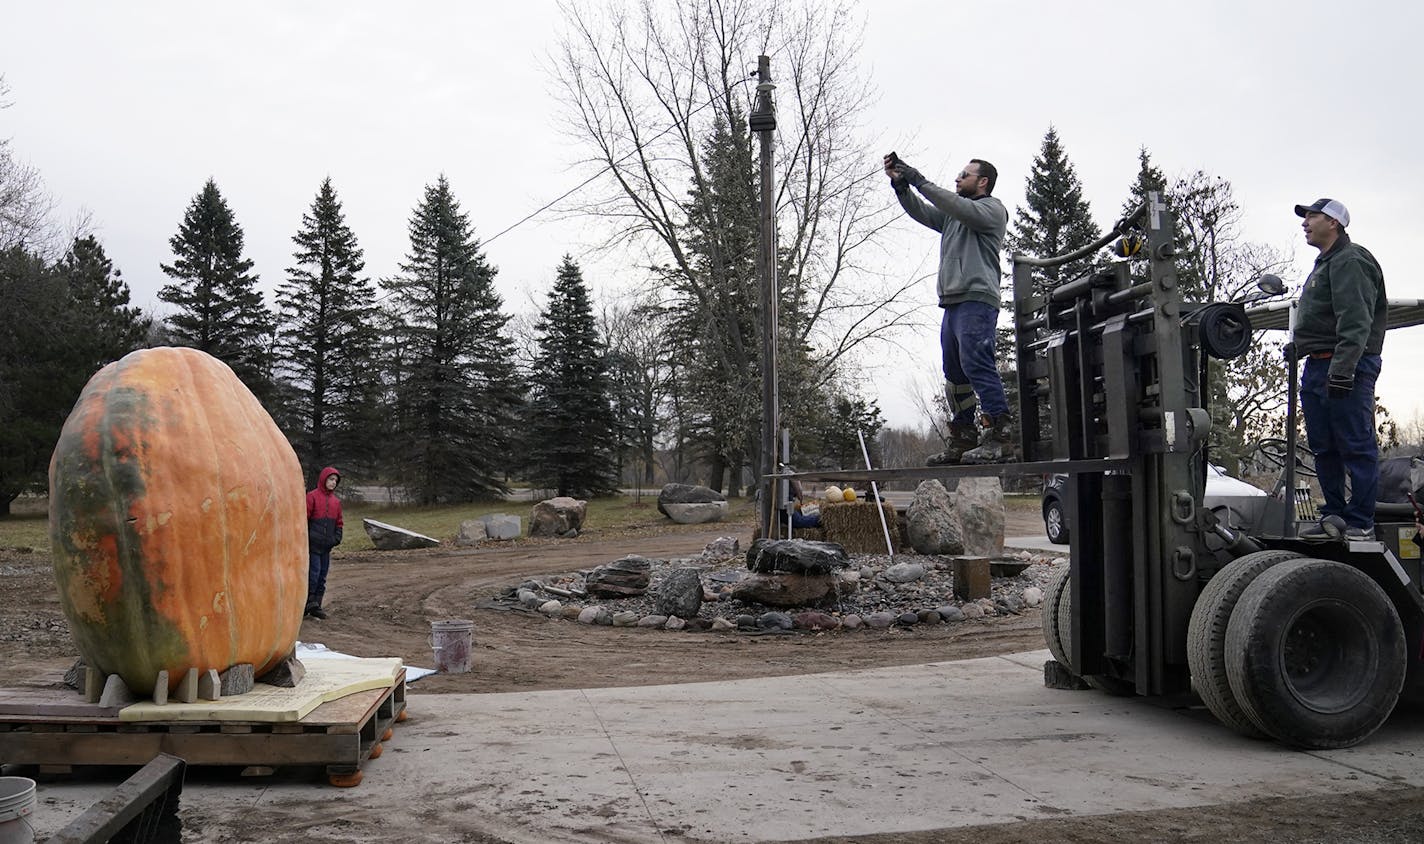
{"x": 971, "y": 235}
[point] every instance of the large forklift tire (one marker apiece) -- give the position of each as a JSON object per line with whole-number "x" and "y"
{"x": 1101, "y": 682}
{"x": 1057, "y": 585}
{"x": 1315, "y": 654}
{"x": 1206, "y": 635}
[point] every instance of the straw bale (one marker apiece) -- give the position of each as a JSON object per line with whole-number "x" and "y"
{"x": 856, "y": 527}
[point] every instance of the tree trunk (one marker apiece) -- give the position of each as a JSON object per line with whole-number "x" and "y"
{"x": 716, "y": 474}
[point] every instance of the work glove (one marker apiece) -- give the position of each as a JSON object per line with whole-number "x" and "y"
{"x": 1288, "y": 351}
{"x": 1339, "y": 386}
{"x": 911, "y": 175}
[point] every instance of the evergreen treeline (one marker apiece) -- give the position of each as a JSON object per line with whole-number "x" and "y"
{"x": 415, "y": 380}
{"x": 412, "y": 380}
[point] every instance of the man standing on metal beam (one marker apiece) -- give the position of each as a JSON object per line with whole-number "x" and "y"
{"x": 1339, "y": 331}
{"x": 972, "y": 224}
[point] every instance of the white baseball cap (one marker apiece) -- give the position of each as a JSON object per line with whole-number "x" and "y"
{"x": 1329, "y": 207}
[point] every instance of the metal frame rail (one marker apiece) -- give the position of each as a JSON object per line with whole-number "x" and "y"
{"x": 142, "y": 808}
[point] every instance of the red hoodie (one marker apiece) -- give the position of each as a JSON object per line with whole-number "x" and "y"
{"x": 324, "y": 522}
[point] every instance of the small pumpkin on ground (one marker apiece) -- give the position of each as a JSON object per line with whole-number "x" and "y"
{"x": 177, "y": 521}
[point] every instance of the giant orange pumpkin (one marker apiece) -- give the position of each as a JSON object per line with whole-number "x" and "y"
{"x": 177, "y": 521}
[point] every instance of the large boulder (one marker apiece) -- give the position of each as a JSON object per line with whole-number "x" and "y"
{"x": 792, "y": 590}
{"x": 687, "y": 494}
{"x": 969, "y": 520}
{"x": 561, "y": 516}
{"x": 625, "y": 578}
{"x": 695, "y": 514}
{"x": 502, "y": 526}
{"x": 796, "y": 556}
{"x": 391, "y": 538}
{"x": 979, "y": 506}
{"x": 472, "y": 532}
{"x": 931, "y": 523}
{"x": 680, "y": 593}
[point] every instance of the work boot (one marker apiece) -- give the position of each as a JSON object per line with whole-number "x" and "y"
{"x": 315, "y": 611}
{"x": 997, "y": 445}
{"x": 962, "y": 438}
{"x": 1327, "y": 529}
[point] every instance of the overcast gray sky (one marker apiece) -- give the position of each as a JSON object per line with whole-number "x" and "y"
{"x": 126, "y": 109}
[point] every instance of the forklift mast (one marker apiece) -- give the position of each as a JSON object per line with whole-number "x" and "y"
{"x": 1112, "y": 366}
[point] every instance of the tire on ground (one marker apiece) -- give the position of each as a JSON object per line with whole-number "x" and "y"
{"x": 1315, "y": 654}
{"x": 1206, "y": 635}
{"x": 1057, "y": 584}
{"x": 1101, "y": 682}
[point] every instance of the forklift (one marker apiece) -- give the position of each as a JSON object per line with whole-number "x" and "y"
{"x": 1309, "y": 643}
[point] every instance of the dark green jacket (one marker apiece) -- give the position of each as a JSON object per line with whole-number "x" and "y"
{"x": 1342, "y": 309}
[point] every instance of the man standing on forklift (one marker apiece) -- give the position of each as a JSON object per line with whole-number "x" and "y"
{"x": 972, "y": 225}
{"x": 1339, "y": 331}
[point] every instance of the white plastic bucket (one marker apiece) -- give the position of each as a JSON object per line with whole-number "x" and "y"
{"x": 17, "y": 803}
{"x": 451, "y": 641}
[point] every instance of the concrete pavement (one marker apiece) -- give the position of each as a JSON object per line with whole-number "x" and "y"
{"x": 1034, "y": 543}
{"x": 936, "y": 746}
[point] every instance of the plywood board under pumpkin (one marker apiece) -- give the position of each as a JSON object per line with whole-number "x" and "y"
{"x": 326, "y": 679}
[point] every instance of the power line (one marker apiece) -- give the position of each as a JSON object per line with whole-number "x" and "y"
{"x": 611, "y": 165}
{"x": 602, "y": 170}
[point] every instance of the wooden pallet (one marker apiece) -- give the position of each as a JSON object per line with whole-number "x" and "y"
{"x": 339, "y": 735}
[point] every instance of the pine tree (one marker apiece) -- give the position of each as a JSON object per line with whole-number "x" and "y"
{"x": 456, "y": 391}
{"x": 327, "y": 342}
{"x": 102, "y": 327}
{"x": 715, "y": 316}
{"x": 220, "y": 309}
{"x": 32, "y": 362}
{"x": 571, "y": 433}
{"x": 833, "y": 432}
{"x": 1149, "y": 178}
{"x": 715, "y": 322}
{"x": 1055, "y": 218}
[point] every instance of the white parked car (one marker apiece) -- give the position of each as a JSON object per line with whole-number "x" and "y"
{"x": 1235, "y": 502}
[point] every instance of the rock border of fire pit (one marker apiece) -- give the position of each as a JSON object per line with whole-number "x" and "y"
{"x": 908, "y": 590}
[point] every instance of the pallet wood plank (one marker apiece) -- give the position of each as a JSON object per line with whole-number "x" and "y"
{"x": 344, "y": 746}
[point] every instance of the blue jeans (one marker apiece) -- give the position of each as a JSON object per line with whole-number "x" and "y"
{"x": 1341, "y": 433}
{"x": 966, "y": 337}
{"x": 319, "y": 564}
{"x": 799, "y": 520}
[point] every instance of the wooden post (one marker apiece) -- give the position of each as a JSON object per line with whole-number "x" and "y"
{"x": 763, "y": 122}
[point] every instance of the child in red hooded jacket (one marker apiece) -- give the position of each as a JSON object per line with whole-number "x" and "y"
{"x": 323, "y": 533}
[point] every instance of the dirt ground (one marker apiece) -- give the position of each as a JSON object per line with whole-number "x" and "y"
{"x": 382, "y": 603}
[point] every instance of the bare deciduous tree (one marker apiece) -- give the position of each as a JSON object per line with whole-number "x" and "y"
{"x": 647, "y": 85}
{"x": 26, "y": 208}
{"x": 1248, "y": 393}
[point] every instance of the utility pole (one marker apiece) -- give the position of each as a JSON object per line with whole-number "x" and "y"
{"x": 763, "y": 123}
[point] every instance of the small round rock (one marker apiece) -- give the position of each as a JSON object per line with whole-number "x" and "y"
{"x": 950, "y": 613}
{"x": 775, "y": 621}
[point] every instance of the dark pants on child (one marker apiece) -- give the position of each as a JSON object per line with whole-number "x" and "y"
{"x": 1341, "y": 434}
{"x": 319, "y": 564}
{"x": 966, "y": 338}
